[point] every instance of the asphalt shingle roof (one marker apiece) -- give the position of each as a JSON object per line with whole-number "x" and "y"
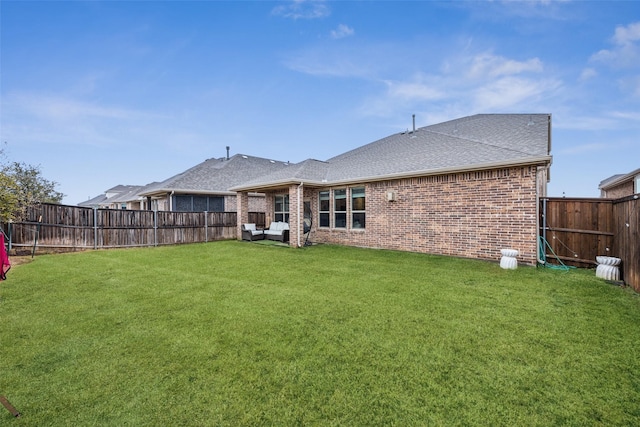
{"x": 217, "y": 175}
{"x": 467, "y": 143}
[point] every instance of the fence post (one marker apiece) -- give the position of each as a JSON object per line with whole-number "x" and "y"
{"x": 155, "y": 227}
{"x": 95, "y": 228}
{"x": 206, "y": 227}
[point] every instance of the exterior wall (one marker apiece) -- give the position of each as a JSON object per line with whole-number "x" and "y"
{"x": 242, "y": 208}
{"x": 622, "y": 190}
{"x": 473, "y": 214}
{"x": 256, "y": 203}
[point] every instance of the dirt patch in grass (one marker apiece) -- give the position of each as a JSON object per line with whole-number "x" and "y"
{"x": 18, "y": 260}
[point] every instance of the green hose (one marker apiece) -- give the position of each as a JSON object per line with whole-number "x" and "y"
{"x": 542, "y": 256}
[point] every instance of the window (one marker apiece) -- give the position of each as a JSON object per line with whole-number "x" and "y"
{"x": 340, "y": 208}
{"x": 190, "y": 203}
{"x": 281, "y": 209}
{"x": 636, "y": 188}
{"x": 324, "y": 208}
{"x": 358, "y": 215}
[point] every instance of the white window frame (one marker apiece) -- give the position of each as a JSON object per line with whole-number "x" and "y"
{"x": 344, "y": 195}
{"x": 358, "y": 211}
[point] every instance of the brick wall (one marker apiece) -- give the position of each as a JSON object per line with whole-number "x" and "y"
{"x": 256, "y": 203}
{"x": 619, "y": 191}
{"x": 472, "y": 214}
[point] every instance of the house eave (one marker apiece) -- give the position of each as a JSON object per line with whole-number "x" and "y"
{"x": 270, "y": 186}
{"x": 620, "y": 180}
{"x": 164, "y": 191}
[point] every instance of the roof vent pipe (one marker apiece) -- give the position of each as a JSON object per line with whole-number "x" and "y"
{"x": 414, "y": 122}
{"x": 228, "y": 152}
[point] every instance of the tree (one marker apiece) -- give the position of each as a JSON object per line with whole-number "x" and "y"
{"x": 8, "y": 196}
{"x": 21, "y": 186}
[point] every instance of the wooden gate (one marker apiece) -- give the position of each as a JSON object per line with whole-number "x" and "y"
{"x": 578, "y": 230}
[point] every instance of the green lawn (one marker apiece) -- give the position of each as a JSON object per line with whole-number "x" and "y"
{"x": 234, "y": 333}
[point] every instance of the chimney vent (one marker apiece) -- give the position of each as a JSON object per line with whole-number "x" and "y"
{"x": 228, "y": 152}
{"x": 414, "y": 122}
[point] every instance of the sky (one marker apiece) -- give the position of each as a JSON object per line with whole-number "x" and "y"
{"x": 102, "y": 93}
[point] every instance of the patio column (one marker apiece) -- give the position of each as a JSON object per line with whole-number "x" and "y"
{"x": 242, "y": 200}
{"x": 296, "y": 209}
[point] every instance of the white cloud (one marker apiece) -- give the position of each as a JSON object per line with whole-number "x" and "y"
{"x": 342, "y": 31}
{"x": 511, "y": 92}
{"x": 587, "y": 74}
{"x": 488, "y": 65}
{"x": 418, "y": 88}
{"x": 627, "y": 35}
{"x": 625, "y": 52}
{"x": 61, "y": 108}
{"x": 303, "y": 9}
{"x": 584, "y": 148}
{"x": 49, "y": 119}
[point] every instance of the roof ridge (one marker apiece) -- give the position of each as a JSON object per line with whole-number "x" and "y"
{"x": 477, "y": 141}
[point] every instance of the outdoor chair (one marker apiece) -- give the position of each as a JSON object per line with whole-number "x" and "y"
{"x": 250, "y": 233}
{"x": 277, "y": 231}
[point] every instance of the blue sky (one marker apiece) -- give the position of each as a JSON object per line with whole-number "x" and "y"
{"x": 116, "y": 92}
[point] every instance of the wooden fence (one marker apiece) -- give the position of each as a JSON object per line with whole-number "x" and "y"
{"x": 578, "y": 230}
{"x": 62, "y": 227}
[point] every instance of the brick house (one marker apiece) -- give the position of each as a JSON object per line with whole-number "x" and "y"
{"x": 622, "y": 185}
{"x": 467, "y": 187}
{"x": 205, "y": 187}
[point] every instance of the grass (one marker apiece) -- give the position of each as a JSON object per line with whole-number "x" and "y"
{"x": 231, "y": 333}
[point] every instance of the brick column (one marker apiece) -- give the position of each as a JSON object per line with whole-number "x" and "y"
{"x": 296, "y": 214}
{"x": 242, "y": 200}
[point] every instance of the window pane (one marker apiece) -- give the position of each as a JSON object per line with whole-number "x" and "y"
{"x": 340, "y": 194}
{"x": 183, "y": 204}
{"x": 324, "y": 220}
{"x": 324, "y": 201}
{"x": 358, "y": 220}
{"x": 199, "y": 203}
{"x": 358, "y": 204}
{"x": 341, "y": 205}
{"x": 357, "y": 192}
{"x": 216, "y": 204}
{"x": 357, "y": 199}
{"x": 341, "y": 220}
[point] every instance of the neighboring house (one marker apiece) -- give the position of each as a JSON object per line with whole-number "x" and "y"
{"x": 118, "y": 197}
{"x": 467, "y": 187}
{"x": 205, "y": 187}
{"x": 621, "y": 185}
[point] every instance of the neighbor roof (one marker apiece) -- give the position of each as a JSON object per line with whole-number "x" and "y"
{"x": 118, "y": 194}
{"x": 476, "y": 142}
{"x": 618, "y": 179}
{"x": 216, "y": 176}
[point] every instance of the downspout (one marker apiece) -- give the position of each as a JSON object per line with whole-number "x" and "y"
{"x": 171, "y": 201}
{"x": 540, "y": 241}
{"x": 299, "y": 204}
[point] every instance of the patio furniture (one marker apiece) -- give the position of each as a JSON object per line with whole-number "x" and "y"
{"x": 278, "y": 230}
{"x": 250, "y": 233}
